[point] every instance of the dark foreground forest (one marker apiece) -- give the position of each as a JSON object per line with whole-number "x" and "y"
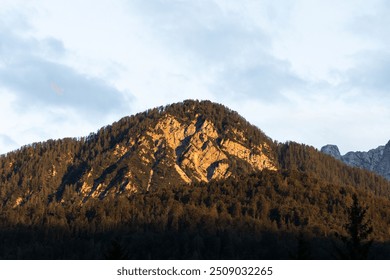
{"x": 266, "y": 215}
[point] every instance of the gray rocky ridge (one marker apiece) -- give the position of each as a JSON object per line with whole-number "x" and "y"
{"x": 331, "y": 150}
{"x": 376, "y": 160}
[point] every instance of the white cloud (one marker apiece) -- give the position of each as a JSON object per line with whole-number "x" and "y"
{"x": 301, "y": 70}
{"x": 6, "y": 143}
{"x": 317, "y": 38}
{"x": 39, "y": 123}
{"x": 319, "y": 119}
{"x": 41, "y": 97}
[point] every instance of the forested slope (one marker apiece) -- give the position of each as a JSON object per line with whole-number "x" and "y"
{"x": 189, "y": 180}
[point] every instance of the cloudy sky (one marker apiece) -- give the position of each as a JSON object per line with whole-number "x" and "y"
{"x": 315, "y": 72}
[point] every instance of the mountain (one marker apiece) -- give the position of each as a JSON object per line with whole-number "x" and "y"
{"x": 376, "y": 160}
{"x": 185, "y": 181}
{"x": 182, "y": 143}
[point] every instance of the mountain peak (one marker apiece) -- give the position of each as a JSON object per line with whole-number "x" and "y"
{"x": 331, "y": 150}
{"x": 182, "y": 143}
{"x": 376, "y": 160}
{"x": 383, "y": 167}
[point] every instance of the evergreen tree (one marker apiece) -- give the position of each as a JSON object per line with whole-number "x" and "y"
{"x": 303, "y": 250}
{"x": 116, "y": 252}
{"x": 358, "y": 228}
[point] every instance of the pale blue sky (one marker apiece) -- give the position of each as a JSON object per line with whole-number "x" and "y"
{"x": 315, "y": 72}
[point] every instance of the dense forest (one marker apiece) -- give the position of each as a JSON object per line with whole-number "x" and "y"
{"x": 301, "y": 210}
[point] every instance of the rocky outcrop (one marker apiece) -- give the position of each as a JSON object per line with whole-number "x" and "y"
{"x": 180, "y": 144}
{"x": 331, "y": 150}
{"x": 253, "y": 156}
{"x": 191, "y": 151}
{"x": 383, "y": 166}
{"x": 376, "y": 160}
{"x": 194, "y": 148}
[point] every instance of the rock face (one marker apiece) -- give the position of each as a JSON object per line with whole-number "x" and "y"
{"x": 183, "y": 143}
{"x": 181, "y": 153}
{"x": 167, "y": 148}
{"x": 383, "y": 167}
{"x": 331, "y": 150}
{"x": 376, "y": 160}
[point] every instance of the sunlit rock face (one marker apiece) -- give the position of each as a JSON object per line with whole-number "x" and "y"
{"x": 188, "y": 153}
{"x": 180, "y": 144}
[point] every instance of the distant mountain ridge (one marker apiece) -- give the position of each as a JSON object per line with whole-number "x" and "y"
{"x": 376, "y": 160}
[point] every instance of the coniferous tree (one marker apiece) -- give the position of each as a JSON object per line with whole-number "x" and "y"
{"x": 303, "y": 250}
{"x": 116, "y": 252}
{"x": 358, "y": 227}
